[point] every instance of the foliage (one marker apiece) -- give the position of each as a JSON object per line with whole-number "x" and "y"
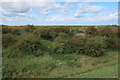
{"x": 28, "y": 54}
{"x": 112, "y": 42}
{"x": 95, "y": 46}
{"x": 29, "y": 28}
{"x": 76, "y": 44}
{"x": 6, "y": 30}
{"x": 7, "y": 40}
{"x": 60, "y": 30}
{"x": 44, "y": 33}
{"x": 29, "y": 46}
{"x": 108, "y": 32}
{"x": 92, "y": 31}
{"x": 58, "y": 46}
{"x": 16, "y": 31}
{"x": 61, "y": 40}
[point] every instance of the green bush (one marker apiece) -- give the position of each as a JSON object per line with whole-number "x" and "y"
{"x": 111, "y": 36}
{"x": 95, "y": 46}
{"x": 16, "y": 31}
{"x": 58, "y": 46}
{"x": 29, "y": 28}
{"x": 112, "y": 42}
{"x": 76, "y": 44}
{"x": 92, "y": 31}
{"x": 8, "y": 40}
{"x": 30, "y": 45}
{"x": 108, "y": 32}
{"x": 44, "y": 33}
{"x": 36, "y": 33}
{"x": 71, "y": 32}
{"x": 52, "y": 35}
{"x": 6, "y": 30}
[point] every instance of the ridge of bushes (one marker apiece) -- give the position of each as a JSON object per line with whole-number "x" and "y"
{"x": 92, "y": 41}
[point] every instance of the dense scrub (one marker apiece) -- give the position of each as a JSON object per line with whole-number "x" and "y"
{"x": 93, "y": 41}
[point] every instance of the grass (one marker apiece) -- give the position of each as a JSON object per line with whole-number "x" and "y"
{"x": 108, "y": 70}
{"x": 62, "y": 66}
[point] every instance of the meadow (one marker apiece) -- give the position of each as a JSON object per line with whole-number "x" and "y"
{"x": 60, "y": 51}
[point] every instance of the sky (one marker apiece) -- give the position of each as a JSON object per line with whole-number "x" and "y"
{"x": 59, "y": 13}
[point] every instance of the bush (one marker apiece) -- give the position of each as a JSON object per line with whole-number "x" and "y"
{"x": 61, "y": 30}
{"x": 44, "y": 33}
{"x": 92, "y": 31}
{"x": 108, "y": 32}
{"x": 58, "y": 46}
{"x": 29, "y": 28}
{"x": 71, "y": 32}
{"x": 16, "y": 31}
{"x": 36, "y": 33}
{"x": 95, "y": 46}
{"x": 7, "y": 40}
{"x": 30, "y": 45}
{"x": 6, "y": 30}
{"x": 76, "y": 44}
{"x": 111, "y": 36}
{"x": 112, "y": 42}
{"x": 52, "y": 35}
{"x": 63, "y": 44}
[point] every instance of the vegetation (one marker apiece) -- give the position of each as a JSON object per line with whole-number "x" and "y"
{"x": 59, "y": 52}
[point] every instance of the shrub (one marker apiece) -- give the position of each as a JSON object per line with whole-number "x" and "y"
{"x": 7, "y": 40}
{"x": 16, "y": 31}
{"x": 44, "y": 33}
{"x": 30, "y": 45}
{"x": 29, "y": 28}
{"x": 108, "y": 31}
{"x": 92, "y": 31}
{"x": 76, "y": 44}
{"x": 95, "y": 46}
{"x": 52, "y": 35}
{"x": 112, "y": 42}
{"x": 71, "y": 32}
{"x": 38, "y": 52}
{"x": 57, "y": 46}
{"x": 60, "y": 30}
{"x": 6, "y": 30}
{"x": 36, "y": 33}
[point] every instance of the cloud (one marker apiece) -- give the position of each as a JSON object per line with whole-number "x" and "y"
{"x": 15, "y": 8}
{"x": 63, "y": 9}
{"x": 86, "y": 8}
{"x": 55, "y": 13}
{"x": 9, "y": 8}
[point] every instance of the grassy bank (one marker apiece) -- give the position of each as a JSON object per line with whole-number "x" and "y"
{"x": 66, "y": 66}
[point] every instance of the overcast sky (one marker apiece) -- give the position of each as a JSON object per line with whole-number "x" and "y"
{"x": 59, "y": 13}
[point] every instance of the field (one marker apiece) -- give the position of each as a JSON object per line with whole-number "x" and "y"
{"x": 60, "y": 52}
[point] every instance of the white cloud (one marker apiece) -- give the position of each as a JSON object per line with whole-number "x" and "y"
{"x": 63, "y": 9}
{"x": 16, "y": 8}
{"x": 86, "y": 8}
{"x": 21, "y": 13}
{"x": 23, "y": 7}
